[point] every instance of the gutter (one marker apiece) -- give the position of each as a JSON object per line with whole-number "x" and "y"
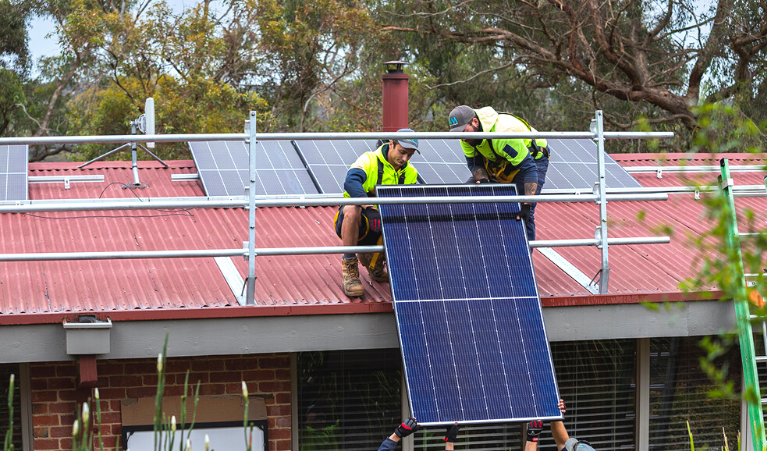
{"x": 327, "y": 309}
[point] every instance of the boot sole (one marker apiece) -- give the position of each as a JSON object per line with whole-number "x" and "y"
{"x": 354, "y": 294}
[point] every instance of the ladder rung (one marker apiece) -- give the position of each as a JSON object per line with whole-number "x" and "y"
{"x": 761, "y": 358}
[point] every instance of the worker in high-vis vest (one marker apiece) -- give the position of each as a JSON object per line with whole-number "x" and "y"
{"x": 361, "y": 224}
{"x": 503, "y": 160}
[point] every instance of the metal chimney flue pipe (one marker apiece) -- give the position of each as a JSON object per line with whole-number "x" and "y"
{"x": 395, "y": 97}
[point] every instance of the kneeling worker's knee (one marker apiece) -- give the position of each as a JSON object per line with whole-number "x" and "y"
{"x": 353, "y": 212}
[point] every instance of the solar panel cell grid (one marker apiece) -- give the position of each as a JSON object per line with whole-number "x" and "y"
{"x": 467, "y": 309}
{"x": 223, "y": 168}
{"x": 13, "y": 173}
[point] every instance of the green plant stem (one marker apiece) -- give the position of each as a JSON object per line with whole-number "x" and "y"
{"x": 162, "y": 363}
{"x": 8, "y": 446}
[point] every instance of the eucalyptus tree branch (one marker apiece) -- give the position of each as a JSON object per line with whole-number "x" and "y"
{"x": 663, "y": 23}
{"x": 466, "y": 80}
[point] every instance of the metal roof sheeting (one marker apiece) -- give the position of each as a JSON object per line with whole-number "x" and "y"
{"x": 296, "y": 282}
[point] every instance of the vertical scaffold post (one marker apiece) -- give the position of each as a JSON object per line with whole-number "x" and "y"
{"x": 742, "y": 310}
{"x": 604, "y": 279}
{"x": 251, "y": 291}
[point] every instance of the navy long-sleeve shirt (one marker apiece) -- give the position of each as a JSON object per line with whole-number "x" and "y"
{"x": 387, "y": 445}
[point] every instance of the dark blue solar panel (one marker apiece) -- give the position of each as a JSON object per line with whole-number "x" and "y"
{"x": 467, "y": 307}
{"x": 223, "y": 168}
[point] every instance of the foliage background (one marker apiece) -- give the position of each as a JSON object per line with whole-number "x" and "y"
{"x": 316, "y": 65}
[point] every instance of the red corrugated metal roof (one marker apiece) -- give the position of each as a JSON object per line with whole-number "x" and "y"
{"x": 171, "y": 288}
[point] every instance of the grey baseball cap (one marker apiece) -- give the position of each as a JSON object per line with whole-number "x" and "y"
{"x": 408, "y": 143}
{"x": 459, "y": 117}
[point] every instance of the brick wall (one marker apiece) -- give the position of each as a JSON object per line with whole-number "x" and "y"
{"x": 55, "y": 394}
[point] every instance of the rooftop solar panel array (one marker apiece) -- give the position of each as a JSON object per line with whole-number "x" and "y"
{"x": 223, "y": 168}
{"x": 14, "y": 164}
{"x": 311, "y": 167}
{"x": 468, "y": 313}
{"x": 573, "y": 164}
{"x": 329, "y": 160}
{"x": 441, "y": 161}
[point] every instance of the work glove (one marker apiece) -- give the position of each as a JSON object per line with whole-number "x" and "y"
{"x": 524, "y": 212}
{"x": 534, "y": 429}
{"x": 451, "y": 432}
{"x": 406, "y": 428}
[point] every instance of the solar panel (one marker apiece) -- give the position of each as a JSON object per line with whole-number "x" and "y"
{"x": 441, "y": 161}
{"x": 14, "y": 164}
{"x": 223, "y": 168}
{"x": 330, "y": 160}
{"x": 573, "y": 165}
{"x": 467, "y": 306}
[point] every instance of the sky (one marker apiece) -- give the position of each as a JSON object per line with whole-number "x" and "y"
{"x": 39, "y": 28}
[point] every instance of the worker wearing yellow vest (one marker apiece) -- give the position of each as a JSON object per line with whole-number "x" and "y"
{"x": 361, "y": 224}
{"x": 523, "y": 162}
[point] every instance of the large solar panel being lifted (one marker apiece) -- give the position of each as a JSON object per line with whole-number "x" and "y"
{"x": 14, "y": 164}
{"x": 467, "y": 306}
{"x": 223, "y": 168}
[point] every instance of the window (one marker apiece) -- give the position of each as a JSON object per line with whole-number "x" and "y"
{"x": 348, "y": 400}
{"x": 679, "y": 393}
{"x": 598, "y": 383}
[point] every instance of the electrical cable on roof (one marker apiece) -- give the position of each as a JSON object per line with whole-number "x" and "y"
{"x": 169, "y": 212}
{"x": 181, "y": 213}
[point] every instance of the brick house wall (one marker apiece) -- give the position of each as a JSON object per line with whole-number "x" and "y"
{"x": 55, "y": 395}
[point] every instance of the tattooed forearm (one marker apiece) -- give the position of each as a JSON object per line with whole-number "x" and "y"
{"x": 530, "y": 188}
{"x": 481, "y": 174}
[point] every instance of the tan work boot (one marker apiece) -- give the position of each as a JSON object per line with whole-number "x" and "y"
{"x": 351, "y": 278}
{"x": 376, "y": 271}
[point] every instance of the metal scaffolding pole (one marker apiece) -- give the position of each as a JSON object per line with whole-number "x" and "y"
{"x": 275, "y": 251}
{"x": 191, "y": 202}
{"x": 251, "y": 292}
{"x": 604, "y": 279}
{"x": 189, "y": 137}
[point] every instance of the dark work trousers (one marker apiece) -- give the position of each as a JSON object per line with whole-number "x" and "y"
{"x": 543, "y": 167}
{"x": 520, "y": 185}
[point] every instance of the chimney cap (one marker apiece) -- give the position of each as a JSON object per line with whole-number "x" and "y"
{"x": 394, "y": 67}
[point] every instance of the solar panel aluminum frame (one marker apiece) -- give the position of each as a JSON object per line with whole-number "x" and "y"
{"x": 539, "y": 307}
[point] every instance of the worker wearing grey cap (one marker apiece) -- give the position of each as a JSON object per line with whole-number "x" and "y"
{"x": 502, "y": 160}
{"x": 361, "y": 225}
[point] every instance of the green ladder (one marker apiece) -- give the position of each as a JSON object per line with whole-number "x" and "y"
{"x": 743, "y": 313}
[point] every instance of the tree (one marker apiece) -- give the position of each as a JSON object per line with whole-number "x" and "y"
{"x": 661, "y": 55}
{"x": 309, "y": 48}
